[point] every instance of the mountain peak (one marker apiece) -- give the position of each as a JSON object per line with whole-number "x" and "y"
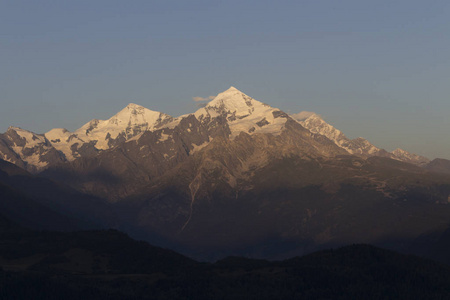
{"x": 233, "y": 100}
{"x": 232, "y": 89}
{"x": 133, "y": 105}
{"x": 136, "y": 113}
{"x": 243, "y": 113}
{"x": 399, "y": 151}
{"x": 409, "y": 157}
{"x": 14, "y": 128}
{"x": 130, "y": 121}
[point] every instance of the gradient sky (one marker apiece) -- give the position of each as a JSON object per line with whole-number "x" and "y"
{"x": 376, "y": 69}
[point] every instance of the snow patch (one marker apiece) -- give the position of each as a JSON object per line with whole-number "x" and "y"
{"x": 5, "y": 158}
{"x": 196, "y": 148}
{"x": 63, "y": 140}
{"x": 31, "y": 139}
{"x": 164, "y": 137}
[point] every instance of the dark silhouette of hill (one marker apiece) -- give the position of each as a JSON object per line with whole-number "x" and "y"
{"x": 110, "y": 265}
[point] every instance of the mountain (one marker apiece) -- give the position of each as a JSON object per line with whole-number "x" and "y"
{"x": 439, "y": 165}
{"x": 99, "y": 135}
{"x": 28, "y": 150}
{"x": 243, "y": 114}
{"x": 243, "y": 178}
{"x": 37, "y": 152}
{"x": 406, "y": 156}
{"x": 317, "y": 125}
{"x": 358, "y": 146}
{"x": 231, "y": 116}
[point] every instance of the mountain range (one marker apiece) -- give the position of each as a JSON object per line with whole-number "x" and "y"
{"x": 236, "y": 177}
{"x": 36, "y": 152}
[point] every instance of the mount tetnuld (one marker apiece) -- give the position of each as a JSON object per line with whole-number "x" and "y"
{"x": 241, "y": 177}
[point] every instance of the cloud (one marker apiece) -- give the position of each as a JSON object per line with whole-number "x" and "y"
{"x": 201, "y": 99}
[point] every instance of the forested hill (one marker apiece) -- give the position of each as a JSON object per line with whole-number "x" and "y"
{"x": 110, "y": 265}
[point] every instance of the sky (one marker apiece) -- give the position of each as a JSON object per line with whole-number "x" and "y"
{"x": 375, "y": 69}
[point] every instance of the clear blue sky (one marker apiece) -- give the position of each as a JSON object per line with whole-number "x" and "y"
{"x": 376, "y": 69}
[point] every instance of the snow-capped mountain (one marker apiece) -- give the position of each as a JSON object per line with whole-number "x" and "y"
{"x": 232, "y": 135}
{"x": 359, "y": 146}
{"x": 231, "y": 112}
{"x": 28, "y": 150}
{"x": 236, "y": 172}
{"x": 243, "y": 113}
{"x": 35, "y": 152}
{"x": 314, "y": 123}
{"x": 104, "y": 134}
{"x": 129, "y": 122}
{"x": 406, "y": 156}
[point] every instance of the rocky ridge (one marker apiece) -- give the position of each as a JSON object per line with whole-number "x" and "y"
{"x": 358, "y": 146}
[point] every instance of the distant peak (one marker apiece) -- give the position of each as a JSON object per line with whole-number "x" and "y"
{"x": 133, "y": 108}
{"x": 232, "y": 98}
{"x": 303, "y": 115}
{"x": 231, "y": 90}
{"x": 360, "y": 139}
{"x": 399, "y": 150}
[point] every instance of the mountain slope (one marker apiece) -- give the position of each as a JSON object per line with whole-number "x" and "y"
{"x": 23, "y": 210}
{"x": 39, "y": 203}
{"x": 220, "y": 202}
{"x": 439, "y": 165}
